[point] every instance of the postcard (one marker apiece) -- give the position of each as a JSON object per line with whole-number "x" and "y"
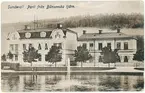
{"x": 72, "y": 46}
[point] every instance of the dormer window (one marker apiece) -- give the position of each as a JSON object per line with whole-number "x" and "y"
{"x": 27, "y": 35}
{"x": 57, "y": 35}
{"x": 43, "y": 34}
{"x": 14, "y": 37}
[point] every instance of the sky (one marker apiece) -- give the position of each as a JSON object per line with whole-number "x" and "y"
{"x": 80, "y": 8}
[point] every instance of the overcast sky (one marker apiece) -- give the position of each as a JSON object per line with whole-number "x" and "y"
{"x": 81, "y": 8}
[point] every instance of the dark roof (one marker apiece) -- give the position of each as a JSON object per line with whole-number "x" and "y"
{"x": 107, "y": 35}
{"x": 36, "y": 33}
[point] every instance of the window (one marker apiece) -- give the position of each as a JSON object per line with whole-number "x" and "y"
{"x": 100, "y": 59}
{"x": 91, "y": 45}
{"x": 43, "y": 34}
{"x": 39, "y": 47}
{"x": 30, "y": 46}
{"x": 11, "y": 47}
{"x": 109, "y": 45}
{"x": 60, "y": 45}
{"x": 100, "y": 46}
{"x": 119, "y": 58}
{"x": 55, "y": 44}
{"x": 27, "y": 35}
{"x": 16, "y": 57}
{"x": 118, "y": 45}
{"x": 46, "y": 47}
{"x": 125, "y": 59}
{"x": 39, "y": 58}
{"x": 14, "y": 37}
{"x": 84, "y": 45}
{"x": 57, "y": 35}
{"x": 125, "y": 46}
{"x": 24, "y": 46}
{"x": 16, "y": 47}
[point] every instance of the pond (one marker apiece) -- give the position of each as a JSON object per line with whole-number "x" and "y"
{"x": 73, "y": 82}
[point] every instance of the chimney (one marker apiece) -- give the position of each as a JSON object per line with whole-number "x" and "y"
{"x": 100, "y": 31}
{"x": 26, "y": 27}
{"x": 118, "y": 30}
{"x": 84, "y": 31}
{"x": 59, "y": 25}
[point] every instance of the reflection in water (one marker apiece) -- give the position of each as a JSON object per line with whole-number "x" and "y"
{"x": 56, "y": 82}
{"x": 10, "y": 82}
{"x": 139, "y": 85}
{"x": 109, "y": 83}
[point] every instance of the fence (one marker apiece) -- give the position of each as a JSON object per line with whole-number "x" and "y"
{"x": 90, "y": 68}
{"x": 43, "y": 68}
{"x": 86, "y": 66}
{"x": 13, "y": 66}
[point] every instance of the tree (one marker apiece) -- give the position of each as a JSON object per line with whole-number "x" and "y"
{"x": 54, "y": 55}
{"x": 133, "y": 20}
{"x": 3, "y": 57}
{"x": 10, "y": 55}
{"x": 140, "y": 42}
{"x": 25, "y": 56}
{"x": 110, "y": 56}
{"x": 30, "y": 55}
{"x": 139, "y": 56}
{"x": 82, "y": 54}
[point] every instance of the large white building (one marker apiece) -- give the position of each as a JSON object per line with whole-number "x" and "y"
{"x": 94, "y": 42}
{"x": 43, "y": 39}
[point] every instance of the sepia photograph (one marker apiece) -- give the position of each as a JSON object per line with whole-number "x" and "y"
{"x": 72, "y": 46}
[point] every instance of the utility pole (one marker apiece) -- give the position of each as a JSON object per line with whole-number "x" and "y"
{"x": 37, "y": 22}
{"x": 94, "y": 55}
{"x": 34, "y": 22}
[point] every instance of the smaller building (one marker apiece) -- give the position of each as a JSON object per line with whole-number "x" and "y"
{"x": 94, "y": 42}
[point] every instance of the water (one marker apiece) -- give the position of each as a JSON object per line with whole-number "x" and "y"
{"x": 76, "y": 82}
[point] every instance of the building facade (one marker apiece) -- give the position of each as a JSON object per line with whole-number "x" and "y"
{"x": 42, "y": 40}
{"x": 94, "y": 42}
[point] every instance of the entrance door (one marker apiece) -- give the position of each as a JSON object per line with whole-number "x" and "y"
{"x": 125, "y": 59}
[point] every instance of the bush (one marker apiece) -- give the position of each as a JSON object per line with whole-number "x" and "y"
{"x": 73, "y": 63}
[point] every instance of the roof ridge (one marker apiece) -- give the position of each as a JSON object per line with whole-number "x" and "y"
{"x": 33, "y": 30}
{"x": 105, "y": 33}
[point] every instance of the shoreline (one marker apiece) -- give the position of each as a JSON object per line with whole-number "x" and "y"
{"x": 74, "y": 72}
